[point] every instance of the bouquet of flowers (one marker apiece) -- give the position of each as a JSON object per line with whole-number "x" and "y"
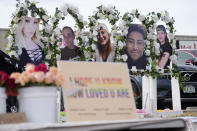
{"x": 37, "y": 76}
{"x": 8, "y": 83}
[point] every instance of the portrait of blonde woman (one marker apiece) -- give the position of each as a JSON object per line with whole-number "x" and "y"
{"x": 28, "y": 41}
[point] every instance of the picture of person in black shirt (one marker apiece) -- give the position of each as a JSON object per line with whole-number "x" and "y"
{"x": 165, "y": 47}
{"x": 70, "y": 51}
{"x": 135, "y": 43}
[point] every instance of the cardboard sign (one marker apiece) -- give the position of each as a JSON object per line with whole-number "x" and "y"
{"x": 12, "y": 118}
{"x": 97, "y": 91}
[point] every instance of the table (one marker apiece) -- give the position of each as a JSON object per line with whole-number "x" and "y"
{"x": 177, "y": 124}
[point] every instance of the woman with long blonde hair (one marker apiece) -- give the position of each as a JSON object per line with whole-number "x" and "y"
{"x": 28, "y": 41}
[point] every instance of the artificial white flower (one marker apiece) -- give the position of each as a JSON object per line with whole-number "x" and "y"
{"x": 35, "y": 14}
{"x": 170, "y": 36}
{"x": 58, "y": 57}
{"x": 156, "y": 45}
{"x": 133, "y": 11}
{"x": 147, "y": 52}
{"x": 134, "y": 69}
{"x": 148, "y": 68}
{"x": 95, "y": 33}
{"x": 173, "y": 58}
{"x": 75, "y": 10}
{"x": 80, "y": 17}
{"x": 158, "y": 68}
{"x": 16, "y": 19}
{"x": 57, "y": 31}
{"x": 48, "y": 28}
{"x": 166, "y": 19}
{"x": 48, "y": 56}
{"x": 93, "y": 19}
{"x": 124, "y": 57}
{"x": 64, "y": 9}
{"x": 85, "y": 23}
{"x": 111, "y": 17}
{"x": 120, "y": 44}
{"x": 149, "y": 60}
{"x": 61, "y": 37}
{"x": 94, "y": 38}
{"x": 44, "y": 39}
{"x": 53, "y": 19}
{"x": 125, "y": 32}
{"x": 167, "y": 27}
{"x": 93, "y": 47}
{"x": 10, "y": 38}
{"x": 87, "y": 54}
{"x": 154, "y": 37}
{"x": 34, "y": 1}
{"x": 141, "y": 18}
{"x": 150, "y": 36}
{"x": 45, "y": 17}
{"x": 118, "y": 57}
{"x": 172, "y": 20}
{"x": 157, "y": 52}
{"x": 101, "y": 16}
{"x": 155, "y": 18}
{"x": 174, "y": 46}
{"x": 147, "y": 42}
{"x": 59, "y": 15}
{"x": 13, "y": 53}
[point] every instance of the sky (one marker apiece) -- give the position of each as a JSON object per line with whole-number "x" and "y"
{"x": 183, "y": 11}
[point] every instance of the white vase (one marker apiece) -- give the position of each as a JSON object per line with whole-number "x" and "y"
{"x": 2, "y": 100}
{"x": 149, "y": 94}
{"x": 39, "y": 104}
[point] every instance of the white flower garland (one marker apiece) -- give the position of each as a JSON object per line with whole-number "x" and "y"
{"x": 103, "y": 13}
{"x": 24, "y": 9}
{"x": 55, "y": 35}
{"x": 124, "y": 25}
{"x": 50, "y": 32}
{"x": 155, "y": 52}
{"x": 152, "y": 48}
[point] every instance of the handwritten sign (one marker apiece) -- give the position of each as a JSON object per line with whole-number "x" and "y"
{"x": 12, "y": 118}
{"x": 97, "y": 91}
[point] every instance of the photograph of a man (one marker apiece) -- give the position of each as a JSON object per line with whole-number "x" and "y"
{"x": 135, "y": 44}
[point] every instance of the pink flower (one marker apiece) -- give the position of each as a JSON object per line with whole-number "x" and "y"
{"x": 49, "y": 78}
{"x": 41, "y": 67}
{"x": 16, "y": 76}
{"x": 39, "y": 76}
{"x": 30, "y": 68}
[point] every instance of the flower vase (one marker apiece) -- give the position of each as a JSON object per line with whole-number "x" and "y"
{"x": 38, "y": 103}
{"x": 2, "y": 100}
{"x": 149, "y": 94}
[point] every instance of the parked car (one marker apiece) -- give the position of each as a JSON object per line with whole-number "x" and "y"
{"x": 188, "y": 92}
{"x": 187, "y": 56}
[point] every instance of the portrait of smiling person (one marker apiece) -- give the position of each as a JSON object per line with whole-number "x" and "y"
{"x": 28, "y": 41}
{"x": 135, "y": 44}
{"x": 165, "y": 47}
{"x": 70, "y": 51}
{"x": 104, "y": 51}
